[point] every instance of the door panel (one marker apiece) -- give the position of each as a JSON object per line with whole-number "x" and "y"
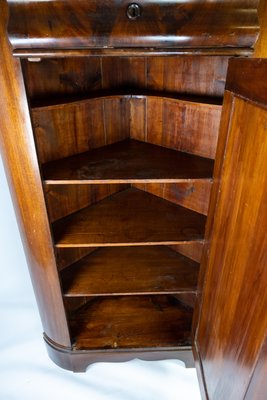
{"x": 233, "y": 317}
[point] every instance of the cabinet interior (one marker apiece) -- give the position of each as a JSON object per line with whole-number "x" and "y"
{"x": 126, "y": 149}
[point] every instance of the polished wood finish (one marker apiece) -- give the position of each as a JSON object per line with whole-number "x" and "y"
{"x": 100, "y": 121}
{"x": 129, "y": 217}
{"x": 122, "y": 322}
{"x": 102, "y": 24}
{"x": 133, "y": 52}
{"x": 138, "y": 270}
{"x": 19, "y": 157}
{"x": 154, "y": 84}
{"x": 260, "y": 49}
{"x": 128, "y": 161}
{"x": 78, "y": 360}
{"x": 248, "y": 87}
{"x": 233, "y": 319}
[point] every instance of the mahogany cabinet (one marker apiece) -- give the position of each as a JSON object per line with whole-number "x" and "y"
{"x": 138, "y": 168}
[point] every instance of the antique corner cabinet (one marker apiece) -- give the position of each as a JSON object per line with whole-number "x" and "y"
{"x": 138, "y": 168}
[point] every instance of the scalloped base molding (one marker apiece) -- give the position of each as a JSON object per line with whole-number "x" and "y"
{"x": 79, "y": 360}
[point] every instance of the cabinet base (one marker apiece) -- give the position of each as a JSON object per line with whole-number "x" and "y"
{"x": 79, "y": 360}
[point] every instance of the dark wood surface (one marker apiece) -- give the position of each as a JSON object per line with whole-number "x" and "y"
{"x": 57, "y": 78}
{"x": 36, "y": 54}
{"x": 130, "y": 270}
{"x": 66, "y": 129}
{"x": 131, "y": 322}
{"x": 191, "y": 250}
{"x": 20, "y": 160}
{"x": 62, "y": 200}
{"x": 101, "y": 23}
{"x": 248, "y": 80}
{"x": 69, "y": 256}
{"x": 233, "y": 318}
{"x": 79, "y": 360}
{"x": 188, "y": 127}
{"x": 194, "y": 195}
{"x": 260, "y": 49}
{"x": 127, "y": 162}
{"x": 129, "y": 217}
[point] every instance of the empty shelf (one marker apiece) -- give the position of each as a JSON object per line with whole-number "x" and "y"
{"x": 131, "y": 322}
{"x": 129, "y": 217}
{"x": 128, "y": 161}
{"x": 130, "y": 270}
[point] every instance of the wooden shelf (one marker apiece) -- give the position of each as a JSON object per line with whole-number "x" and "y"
{"x": 131, "y": 322}
{"x": 128, "y": 161}
{"x": 130, "y": 270}
{"x": 129, "y": 217}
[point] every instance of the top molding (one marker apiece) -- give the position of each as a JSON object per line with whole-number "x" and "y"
{"x": 104, "y": 24}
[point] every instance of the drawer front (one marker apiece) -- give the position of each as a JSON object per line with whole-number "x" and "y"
{"x": 119, "y": 24}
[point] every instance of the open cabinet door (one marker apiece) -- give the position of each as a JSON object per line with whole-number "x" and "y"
{"x": 232, "y": 317}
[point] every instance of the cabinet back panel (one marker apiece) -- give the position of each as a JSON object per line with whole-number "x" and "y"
{"x": 194, "y": 195}
{"x": 66, "y": 129}
{"x": 190, "y": 250}
{"x": 61, "y": 77}
{"x": 63, "y": 200}
{"x": 183, "y": 126}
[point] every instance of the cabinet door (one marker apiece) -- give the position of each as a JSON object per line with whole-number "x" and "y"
{"x": 232, "y": 323}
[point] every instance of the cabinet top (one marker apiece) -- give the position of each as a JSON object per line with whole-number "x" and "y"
{"x": 102, "y": 24}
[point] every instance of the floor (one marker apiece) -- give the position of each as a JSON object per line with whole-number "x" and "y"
{"x": 26, "y": 372}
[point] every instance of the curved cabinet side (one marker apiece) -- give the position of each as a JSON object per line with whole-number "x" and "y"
{"x": 20, "y": 160}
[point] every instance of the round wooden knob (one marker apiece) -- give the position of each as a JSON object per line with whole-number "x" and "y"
{"x": 133, "y": 11}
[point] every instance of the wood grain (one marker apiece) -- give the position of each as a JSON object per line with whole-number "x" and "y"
{"x": 130, "y": 73}
{"x": 190, "y": 250}
{"x": 56, "y": 78}
{"x": 194, "y": 195}
{"x": 261, "y": 44}
{"x": 134, "y": 52}
{"x": 191, "y": 74}
{"x": 62, "y": 200}
{"x": 66, "y": 129}
{"x": 183, "y": 126}
{"x": 20, "y": 160}
{"x": 128, "y": 161}
{"x": 66, "y": 257}
{"x": 130, "y": 270}
{"x": 105, "y": 24}
{"x": 129, "y": 217}
{"x": 253, "y": 83}
{"x": 78, "y": 360}
{"x": 131, "y": 322}
{"x": 233, "y": 320}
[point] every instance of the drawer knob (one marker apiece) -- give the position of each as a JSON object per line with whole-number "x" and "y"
{"x": 133, "y": 11}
